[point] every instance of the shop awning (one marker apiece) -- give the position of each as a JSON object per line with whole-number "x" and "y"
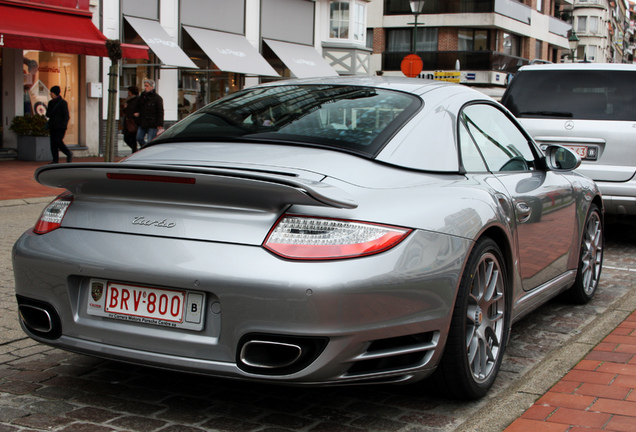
{"x": 302, "y": 60}
{"x": 231, "y": 52}
{"x": 164, "y": 47}
{"x": 65, "y": 30}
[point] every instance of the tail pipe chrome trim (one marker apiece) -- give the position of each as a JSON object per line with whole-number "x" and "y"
{"x": 39, "y": 318}
{"x": 270, "y": 354}
{"x": 36, "y": 318}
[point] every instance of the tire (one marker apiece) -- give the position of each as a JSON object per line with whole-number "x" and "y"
{"x": 590, "y": 259}
{"x": 479, "y": 327}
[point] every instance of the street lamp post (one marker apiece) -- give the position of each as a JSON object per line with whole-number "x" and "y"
{"x": 573, "y": 40}
{"x": 411, "y": 65}
{"x": 416, "y": 8}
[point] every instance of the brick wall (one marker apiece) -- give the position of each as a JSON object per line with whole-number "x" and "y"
{"x": 447, "y": 39}
{"x": 379, "y": 40}
{"x": 527, "y": 47}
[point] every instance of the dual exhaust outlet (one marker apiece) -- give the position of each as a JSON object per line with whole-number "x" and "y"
{"x": 262, "y": 354}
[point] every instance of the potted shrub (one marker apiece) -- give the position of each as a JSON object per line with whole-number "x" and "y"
{"x": 33, "y": 137}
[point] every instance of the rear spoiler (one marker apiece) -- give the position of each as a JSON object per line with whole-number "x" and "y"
{"x": 262, "y": 190}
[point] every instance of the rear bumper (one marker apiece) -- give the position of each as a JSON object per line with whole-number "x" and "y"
{"x": 400, "y": 300}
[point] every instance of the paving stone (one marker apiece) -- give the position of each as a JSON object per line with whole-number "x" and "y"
{"x": 230, "y": 425}
{"x": 136, "y": 423}
{"x": 8, "y": 414}
{"x": 42, "y": 421}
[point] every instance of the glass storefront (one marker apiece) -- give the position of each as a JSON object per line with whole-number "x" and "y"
{"x": 134, "y": 71}
{"x": 199, "y": 87}
{"x": 43, "y": 70}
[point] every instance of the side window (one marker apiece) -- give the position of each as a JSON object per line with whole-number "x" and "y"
{"x": 471, "y": 159}
{"x": 501, "y": 143}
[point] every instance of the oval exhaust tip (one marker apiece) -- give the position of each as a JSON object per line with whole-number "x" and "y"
{"x": 269, "y": 354}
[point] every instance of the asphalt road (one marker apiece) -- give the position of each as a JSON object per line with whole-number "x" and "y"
{"x": 42, "y": 388}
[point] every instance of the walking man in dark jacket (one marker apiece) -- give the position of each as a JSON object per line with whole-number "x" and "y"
{"x": 58, "y": 115}
{"x": 149, "y": 113}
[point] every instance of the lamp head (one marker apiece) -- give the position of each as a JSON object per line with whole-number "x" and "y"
{"x": 417, "y": 5}
{"x": 573, "y": 40}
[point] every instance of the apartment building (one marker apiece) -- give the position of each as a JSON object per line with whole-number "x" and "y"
{"x": 484, "y": 40}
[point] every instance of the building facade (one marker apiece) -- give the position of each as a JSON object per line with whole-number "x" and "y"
{"x": 48, "y": 43}
{"x": 484, "y": 40}
{"x": 604, "y": 31}
{"x": 195, "y": 50}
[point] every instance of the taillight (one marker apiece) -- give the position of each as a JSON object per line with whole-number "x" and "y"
{"x": 306, "y": 238}
{"x": 51, "y": 217}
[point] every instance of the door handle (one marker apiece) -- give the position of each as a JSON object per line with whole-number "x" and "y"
{"x": 524, "y": 211}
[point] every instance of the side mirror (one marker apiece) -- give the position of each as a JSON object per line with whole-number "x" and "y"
{"x": 560, "y": 158}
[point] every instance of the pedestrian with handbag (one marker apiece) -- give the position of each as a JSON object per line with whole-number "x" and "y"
{"x": 58, "y": 115}
{"x": 149, "y": 113}
{"x": 130, "y": 121}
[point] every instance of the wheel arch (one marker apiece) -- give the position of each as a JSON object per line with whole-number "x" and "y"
{"x": 598, "y": 200}
{"x": 499, "y": 236}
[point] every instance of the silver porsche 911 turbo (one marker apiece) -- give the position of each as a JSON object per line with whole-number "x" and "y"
{"x": 315, "y": 232}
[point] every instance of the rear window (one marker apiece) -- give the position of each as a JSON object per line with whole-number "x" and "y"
{"x": 575, "y": 94}
{"x": 357, "y": 119}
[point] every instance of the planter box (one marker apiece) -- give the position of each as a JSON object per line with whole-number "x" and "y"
{"x": 34, "y": 148}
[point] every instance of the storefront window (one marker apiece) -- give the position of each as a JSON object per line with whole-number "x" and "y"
{"x": 134, "y": 71}
{"x": 43, "y": 70}
{"x": 199, "y": 87}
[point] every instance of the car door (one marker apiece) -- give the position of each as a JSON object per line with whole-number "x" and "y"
{"x": 542, "y": 201}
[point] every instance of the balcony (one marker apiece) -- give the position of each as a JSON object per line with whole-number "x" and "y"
{"x": 469, "y": 60}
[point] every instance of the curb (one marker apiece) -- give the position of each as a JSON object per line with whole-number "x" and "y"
{"x": 516, "y": 399}
{"x": 18, "y": 202}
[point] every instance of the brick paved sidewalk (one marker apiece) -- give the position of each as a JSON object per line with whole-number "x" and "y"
{"x": 17, "y": 181}
{"x": 597, "y": 394}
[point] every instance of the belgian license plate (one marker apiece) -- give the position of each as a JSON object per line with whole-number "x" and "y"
{"x": 147, "y": 305}
{"x": 580, "y": 150}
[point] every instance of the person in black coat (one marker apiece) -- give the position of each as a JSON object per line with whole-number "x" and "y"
{"x": 130, "y": 121}
{"x": 149, "y": 113}
{"x": 58, "y": 115}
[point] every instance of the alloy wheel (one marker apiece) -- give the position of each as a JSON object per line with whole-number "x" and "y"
{"x": 485, "y": 318}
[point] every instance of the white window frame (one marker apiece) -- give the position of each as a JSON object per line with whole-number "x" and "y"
{"x": 581, "y": 24}
{"x": 593, "y": 24}
{"x": 357, "y": 23}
